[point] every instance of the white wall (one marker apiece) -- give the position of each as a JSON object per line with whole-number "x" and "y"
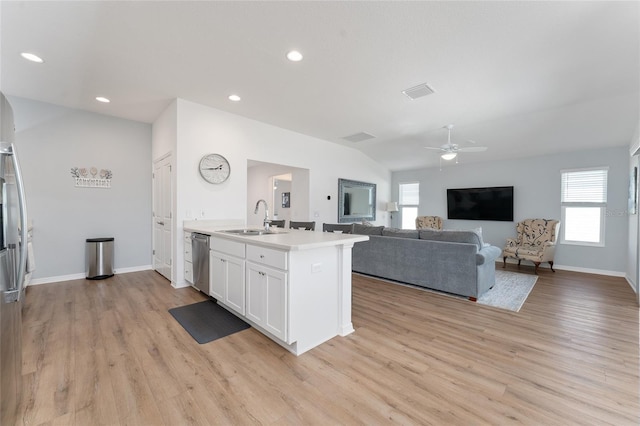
{"x": 536, "y": 184}
{"x": 164, "y": 132}
{"x": 53, "y": 139}
{"x": 202, "y": 130}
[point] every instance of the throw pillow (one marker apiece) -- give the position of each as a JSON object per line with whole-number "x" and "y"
{"x": 367, "y": 230}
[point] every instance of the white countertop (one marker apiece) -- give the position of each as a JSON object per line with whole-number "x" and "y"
{"x": 284, "y": 239}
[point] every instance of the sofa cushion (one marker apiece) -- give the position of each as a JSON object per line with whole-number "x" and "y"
{"x": 400, "y": 233}
{"x": 366, "y": 230}
{"x": 332, "y": 227}
{"x": 454, "y": 236}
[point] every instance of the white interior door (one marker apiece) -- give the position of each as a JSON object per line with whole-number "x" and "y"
{"x": 162, "y": 216}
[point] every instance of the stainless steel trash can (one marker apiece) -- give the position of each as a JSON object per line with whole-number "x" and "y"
{"x": 99, "y": 258}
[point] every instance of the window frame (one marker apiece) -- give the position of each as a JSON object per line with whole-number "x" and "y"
{"x": 602, "y": 206}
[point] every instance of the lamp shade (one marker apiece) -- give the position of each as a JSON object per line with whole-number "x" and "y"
{"x": 449, "y": 155}
{"x": 392, "y": 206}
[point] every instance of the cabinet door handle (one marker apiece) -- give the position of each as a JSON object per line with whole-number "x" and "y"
{"x": 161, "y": 223}
{"x": 262, "y": 256}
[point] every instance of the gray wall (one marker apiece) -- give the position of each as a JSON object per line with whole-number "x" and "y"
{"x": 536, "y": 182}
{"x": 634, "y": 221}
{"x": 50, "y": 141}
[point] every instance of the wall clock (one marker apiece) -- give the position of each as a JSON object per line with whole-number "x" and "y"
{"x": 214, "y": 168}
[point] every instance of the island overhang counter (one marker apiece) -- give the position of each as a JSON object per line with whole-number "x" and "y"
{"x": 294, "y": 286}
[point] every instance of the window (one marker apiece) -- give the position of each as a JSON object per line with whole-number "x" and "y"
{"x": 409, "y": 201}
{"x": 584, "y": 201}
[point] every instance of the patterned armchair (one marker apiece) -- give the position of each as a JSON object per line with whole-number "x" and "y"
{"x": 431, "y": 222}
{"x": 536, "y": 241}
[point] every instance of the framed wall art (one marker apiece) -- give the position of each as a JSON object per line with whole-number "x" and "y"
{"x": 286, "y": 200}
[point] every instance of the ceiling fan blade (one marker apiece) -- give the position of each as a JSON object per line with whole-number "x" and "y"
{"x": 472, "y": 149}
{"x": 434, "y": 148}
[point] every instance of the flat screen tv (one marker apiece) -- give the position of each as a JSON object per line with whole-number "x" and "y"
{"x": 495, "y": 203}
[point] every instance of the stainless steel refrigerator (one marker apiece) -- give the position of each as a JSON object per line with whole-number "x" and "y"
{"x": 13, "y": 258}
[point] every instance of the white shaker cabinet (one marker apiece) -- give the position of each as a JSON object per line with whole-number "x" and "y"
{"x": 227, "y": 273}
{"x": 188, "y": 265}
{"x": 266, "y": 299}
{"x": 267, "y": 304}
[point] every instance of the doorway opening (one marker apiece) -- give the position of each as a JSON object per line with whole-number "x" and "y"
{"x": 279, "y": 185}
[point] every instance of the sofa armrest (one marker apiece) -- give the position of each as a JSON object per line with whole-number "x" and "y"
{"x": 511, "y": 242}
{"x": 488, "y": 254}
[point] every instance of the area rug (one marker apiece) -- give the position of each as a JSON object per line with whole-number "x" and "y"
{"x": 510, "y": 291}
{"x": 207, "y": 321}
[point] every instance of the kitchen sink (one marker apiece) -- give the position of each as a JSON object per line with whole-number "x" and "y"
{"x": 251, "y": 232}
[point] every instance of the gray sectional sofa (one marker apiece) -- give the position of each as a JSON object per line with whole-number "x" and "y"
{"x": 452, "y": 261}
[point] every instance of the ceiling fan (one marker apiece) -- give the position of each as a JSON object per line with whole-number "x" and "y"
{"x": 450, "y": 150}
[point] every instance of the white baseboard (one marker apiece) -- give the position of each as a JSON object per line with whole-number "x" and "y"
{"x": 631, "y": 283}
{"x": 133, "y": 269}
{"x": 82, "y": 275}
{"x": 590, "y": 271}
{"x": 572, "y": 268}
{"x": 183, "y": 284}
{"x": 47, "y": 280}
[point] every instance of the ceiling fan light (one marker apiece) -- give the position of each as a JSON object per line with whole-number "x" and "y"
{"x": 449, "y": 155}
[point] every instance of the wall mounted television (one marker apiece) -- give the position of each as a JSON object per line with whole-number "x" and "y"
{"x": 495, "y": 203}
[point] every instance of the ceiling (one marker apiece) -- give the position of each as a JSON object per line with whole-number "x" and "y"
{"x": 521, "y": 78}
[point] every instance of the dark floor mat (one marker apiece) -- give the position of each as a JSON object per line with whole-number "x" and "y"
{"x": 206, "y": 321}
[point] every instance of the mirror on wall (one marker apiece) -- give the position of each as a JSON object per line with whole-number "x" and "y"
{"x": 356, "y": 201}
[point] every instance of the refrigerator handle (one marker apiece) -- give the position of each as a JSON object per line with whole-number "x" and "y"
{"x": 22, "y": 264}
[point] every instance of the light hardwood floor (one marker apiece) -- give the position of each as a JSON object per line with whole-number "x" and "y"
{"x": 108, "y": 352}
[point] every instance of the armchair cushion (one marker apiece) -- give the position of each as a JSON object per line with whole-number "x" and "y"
{"x": 536, "y": 232}
{"x": 428, "y": 222}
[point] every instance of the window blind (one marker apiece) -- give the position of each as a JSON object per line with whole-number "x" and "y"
{"x": 584, "y": 186}
{"x": 409, "y": 194}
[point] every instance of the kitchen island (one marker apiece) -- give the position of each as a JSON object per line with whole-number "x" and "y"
{"x": 294, "y": 286}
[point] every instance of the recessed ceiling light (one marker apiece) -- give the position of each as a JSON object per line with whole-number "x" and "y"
{"x": 31, "y": 57}
{"x": 102, "y": 99}
{"x": 294, "y": 56}
{"x": 234, "y": 98}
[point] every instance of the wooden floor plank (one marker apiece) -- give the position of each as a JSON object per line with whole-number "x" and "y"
{"x": 108, "y": 352}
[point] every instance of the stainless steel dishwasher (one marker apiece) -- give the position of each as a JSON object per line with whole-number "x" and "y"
{"x": 200, "y": 253}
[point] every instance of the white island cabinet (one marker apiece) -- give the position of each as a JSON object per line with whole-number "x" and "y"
{"x": 293, "y": 286}
{"x": 226, "y": 273}
{"x": 267, "y": 290}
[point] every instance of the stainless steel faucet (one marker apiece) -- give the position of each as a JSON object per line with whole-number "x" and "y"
{"x": 266, "y": 221}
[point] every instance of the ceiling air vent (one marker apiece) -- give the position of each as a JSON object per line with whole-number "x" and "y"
{"x": 358, "y": 137}
{"x": 418, "y": 91}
